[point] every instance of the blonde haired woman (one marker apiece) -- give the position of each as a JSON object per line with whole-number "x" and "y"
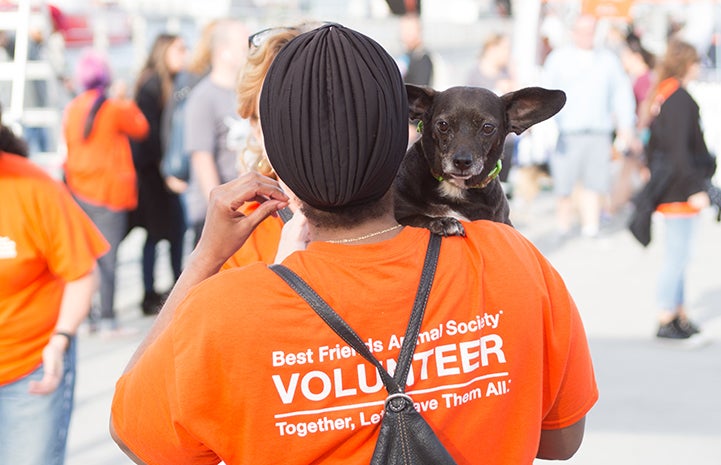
{"x": 265, "y": 243}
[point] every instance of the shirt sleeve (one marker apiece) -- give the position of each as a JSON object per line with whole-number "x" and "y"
{"x": 73, "y": 242}
{"x": 146, "y": 410}
{"x": 570, "y": 385}
{"x": 132, "y": 121}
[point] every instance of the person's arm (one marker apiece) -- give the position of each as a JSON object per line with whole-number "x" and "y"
{"x": 226, "y": 230}
{"x": 74, "y": 307}
{"x": 624, "y": 108}
{"x": 132, "y": 121}
{"x": 561, "y": 444}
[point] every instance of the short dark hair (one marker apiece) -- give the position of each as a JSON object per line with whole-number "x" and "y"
{"x": 348, "y": 215}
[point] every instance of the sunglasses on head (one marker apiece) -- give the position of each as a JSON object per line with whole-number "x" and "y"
{"x": 256, "y": 39}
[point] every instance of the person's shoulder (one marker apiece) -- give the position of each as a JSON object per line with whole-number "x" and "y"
{"x": 255, "y": 282}
{"x": 607, "y": 56}
{"x": 28, "y": 178}
{"x": 151, "y": 84}
{"x": 501, "y": 236}
{"x": 251, "y": 276}
{"x": 679, "y": 101}
{"x": 16, "y": 166}
{"x": 490, "y": 227}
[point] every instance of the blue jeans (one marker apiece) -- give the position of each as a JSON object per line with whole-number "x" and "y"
{"x": 677, "y": 252}
{"x": 113, "y": 225}
{"x": 37, "y": 139}
{"x": 34, "y": 428}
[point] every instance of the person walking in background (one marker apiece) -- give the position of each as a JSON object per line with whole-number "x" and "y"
{"x": 159, "y": 210}
{"x": 492, "y": 68}
{"x": 415, "y": 63}
{"x": 36, "y": 91}
{"x": 99, "y": 168}
{"x": 48, "y": 253}
{"x": 638, "y": 63}
{"x": 599, "y": 102}
{"x": 214, "y": 133}
{"x": 492, "y": 71}
{"x": 680, "y": 166}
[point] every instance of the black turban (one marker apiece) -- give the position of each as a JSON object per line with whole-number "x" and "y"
{"x": 334, "y": 114}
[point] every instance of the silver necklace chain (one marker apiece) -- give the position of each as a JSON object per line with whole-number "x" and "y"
{"x": 365, "y": 236}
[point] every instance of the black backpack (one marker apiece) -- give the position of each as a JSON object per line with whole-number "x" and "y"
{"x": 405, "y": 437}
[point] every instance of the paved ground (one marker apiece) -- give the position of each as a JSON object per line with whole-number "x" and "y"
{"x": 659, "y": 404}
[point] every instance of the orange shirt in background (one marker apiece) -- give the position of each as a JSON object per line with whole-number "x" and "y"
{"x": 262, "y": 245}
{"x": 46, "y": 240}
{"x": 248, "y": 373}
{"x": 677, "y": 209}
{"x": 99, "y": 169}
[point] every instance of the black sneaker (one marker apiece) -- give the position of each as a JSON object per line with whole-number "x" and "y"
{"x": 151, "y": 303}
{"x": 684, "y": 324}
{"x": 672, "y": 330}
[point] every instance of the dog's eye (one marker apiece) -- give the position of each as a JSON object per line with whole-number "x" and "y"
{"x": 443, "y": 126}
{"x": 488, "y": 129}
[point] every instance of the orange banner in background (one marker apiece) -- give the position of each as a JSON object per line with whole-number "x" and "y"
{"x": 607, "y": 8}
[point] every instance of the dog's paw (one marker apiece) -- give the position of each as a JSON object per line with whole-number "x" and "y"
{"x": 446, "y": 226}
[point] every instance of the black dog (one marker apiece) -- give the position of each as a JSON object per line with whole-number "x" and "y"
{"x": 450, "y": 173}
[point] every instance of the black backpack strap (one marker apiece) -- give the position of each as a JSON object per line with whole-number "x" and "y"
{"x": 395, "y": 384}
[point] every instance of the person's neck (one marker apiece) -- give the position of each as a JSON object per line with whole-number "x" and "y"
{"x": 368, "y": 232}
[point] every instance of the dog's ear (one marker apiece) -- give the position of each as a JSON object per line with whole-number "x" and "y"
{"x": 419, "y": 100}
{"x": 531, "y": 105}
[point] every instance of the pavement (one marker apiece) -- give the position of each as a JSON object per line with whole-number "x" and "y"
{"x": 659, "y": 402}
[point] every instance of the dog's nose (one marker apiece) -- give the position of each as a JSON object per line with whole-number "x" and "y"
{"x": 462, "y": 162}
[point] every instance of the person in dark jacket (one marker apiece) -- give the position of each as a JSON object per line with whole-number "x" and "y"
{"x": 680, "y": 166}
{"x": 159, "y": 210}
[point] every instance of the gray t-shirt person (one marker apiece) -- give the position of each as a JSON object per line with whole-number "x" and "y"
{"x": 212, "y": 125}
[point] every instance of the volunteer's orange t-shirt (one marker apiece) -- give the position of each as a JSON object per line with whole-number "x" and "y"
{"x": 99, "y": 170}
{"x": 46, "y": 240}
{"x": 248, "y": 373}
{"x": 262, "y": 245}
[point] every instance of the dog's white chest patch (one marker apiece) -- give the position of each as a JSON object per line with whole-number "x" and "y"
{"x": 452, "y": 191}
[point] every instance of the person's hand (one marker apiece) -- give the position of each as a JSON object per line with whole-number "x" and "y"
{"x": 699, "y": 200}
{"x": 226, "y": 228}
{"x": 118, "y": 90}
{"x": 53, "y": 354}
{"x": 176, "y": 185}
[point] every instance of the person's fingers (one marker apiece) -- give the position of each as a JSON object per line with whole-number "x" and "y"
{"x": 264, "y": 210}
{"x": 250, "y": 186}
{"x": 48, "y": 384}
{"x": 52, "y": 372}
